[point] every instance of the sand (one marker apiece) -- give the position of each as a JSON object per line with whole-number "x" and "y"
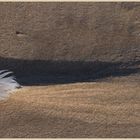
{"x": 109, "y": 108}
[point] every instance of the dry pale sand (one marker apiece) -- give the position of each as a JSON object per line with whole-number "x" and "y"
{"x": 95, "y": 109}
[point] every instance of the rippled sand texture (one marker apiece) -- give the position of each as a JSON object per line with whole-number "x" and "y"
{"x": 97, "y": 109}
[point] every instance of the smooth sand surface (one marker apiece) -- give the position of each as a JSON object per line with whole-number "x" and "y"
{"x": 109, "y": 108}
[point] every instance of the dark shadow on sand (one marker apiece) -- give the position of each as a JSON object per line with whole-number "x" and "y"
{"x": 39, "y": 72}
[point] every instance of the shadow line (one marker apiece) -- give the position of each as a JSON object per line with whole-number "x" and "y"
{"x": 39, "y": 72}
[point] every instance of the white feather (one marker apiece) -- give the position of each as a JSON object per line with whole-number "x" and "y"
{"x": 7, "y": 83}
